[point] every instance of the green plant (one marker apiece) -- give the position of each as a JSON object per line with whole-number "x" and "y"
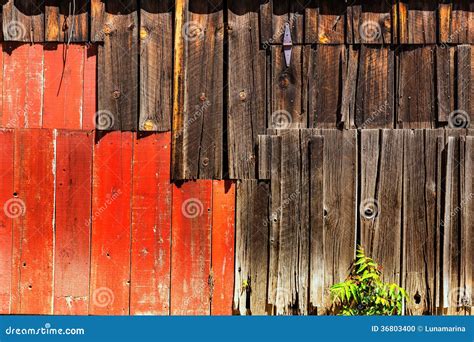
{"x": 364, "y": 293}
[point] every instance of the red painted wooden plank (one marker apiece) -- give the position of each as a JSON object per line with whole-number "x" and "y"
{"x": 7, "y": 214}
{"x": 110, "y": 246}
{"x": 151, "y": 225}
{"x": 32, "y": 285}
{"x": 223, "y": 232}
{"x": 63, "y": 86}
{"x": 73, "y": 210}
{"x": 22, "y": 85}
{"x": 191, "y": 248}
{"x": 90, "y": 90}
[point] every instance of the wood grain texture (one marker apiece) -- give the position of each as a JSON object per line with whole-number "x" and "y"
{"x": 415, "y": 87}
{"x": 325, "y": 87}
{"x": 156, "y": 65}
{"x": 251, "y": 255}
{"x": 370, "y": 22}
{"x": 151, "y": 225}
{"x": 375, "y": 88}
{"x": 246, "y": 96}
{"x": 419, "y": 218}
{"x": 464, "y": 85}
{"x": 223, "y": 242}
{"x": 66, "y": 21}
{"x": 63, "y": 87}
{"x": 380, "y": 208}
{"x": 23, "y": 20}
{"x": 111, "y": 232}
{"x": 198, "y": 116}
{"x": 97, "y": 16}
{"x": 445, "y": 79}
{"x": 118, "y": 67}
{"x": 417, "y": 22}
{"x": 330, "y": 21}
{"x": 288, "y": 98}
{"x": 191, "y": 248}
{"x": 33, "y": 227}
{"x": 22, "y": 85}
{"x": 72, "y": 222}
{"x": 456, "y": 19}
{"x": 339, "y": 188}
{"x": 316, "y": 221}
{"x": 6, "y": 221}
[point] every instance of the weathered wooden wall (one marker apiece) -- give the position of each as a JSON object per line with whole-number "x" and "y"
{"x": 124, "y": 111}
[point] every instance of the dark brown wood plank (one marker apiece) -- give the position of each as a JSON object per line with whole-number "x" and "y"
{"x": 419, "y": 218}
{"x": 252, "y": 247}
{"x": 331, "y": 19}
{"x": 456, "y": 22}
{"x": 274, "y": 219}
{"x": 464, "y": 81}
{"x": 340, "y": 184}
{"x": 199, "y": 116}
{"x": 465, "y": 297}
{"x": 66, "y": 20}
{"x": 325, "y": 87}
{"x": 380, "y": 208}
{"x": 287, "y": 95}
{"x": 349, "y": 87}
{"x": 316, "y": 205}
{"x": 97, "y": 14}
{"x": 375, "y": 88}
{"x": 156, "y": 65}
{"x": 445, "y": 77}
{"x": 415, "y": 87}
{"x": 246, "y": 96}
{"x": 417, "y": 21}
{"x": 118, "y": 68}
{"x": 23, "y": 20}
{"x": 370, "y": 22}
{"x": 264, "y": 157}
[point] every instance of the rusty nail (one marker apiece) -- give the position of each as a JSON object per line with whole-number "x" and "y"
{"x": 116, "y": 94}
{"x": 242, "y": 95}
{"x": 202, "y": 97}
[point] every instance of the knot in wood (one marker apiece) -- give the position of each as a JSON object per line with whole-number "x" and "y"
{"x": 284, "y": 81}
{"x": 203, "y": 97}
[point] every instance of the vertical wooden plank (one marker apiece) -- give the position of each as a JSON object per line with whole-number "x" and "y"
{"x": 419, "y": 218}
{"x": 89, "y": 107}
{"x": 118, "y": 67}
{"x": 23, "y": 20}
{"x": 33, "y": 230}
{"x": 287, "y": 96}
{"x": 317, "y": 264}
{"x": 375, "y": 88}
{"x": 456, "y": 22}
{"x": 156, "y": 65}
{"x": 291, "y": 178}
{"x": 151, "y": 225}
{"x": 417, "y": 22}
{"x": 191, "y": 248}
{"x": 264, "y": 157}
{"x": 281, "y": 12}
{"x": 349, "y": 87}
{"x": 246, "y": 96}
{"x": 110, "y": 238}
{"x": 274, "y": 219}
{"x": 370, "y": 22}
{"x": 380, "y": 208}
{"x": 72, "y": 222}
{"x": 9, "y": 213}
{"x": 326, "y": 86}
{"x": 223, "y": 232}
{"x": 464, "y": 96}
{"x": 415, "y": 87}
{"x": 22, "y": 85}
{"x": 331, "y": 22}
{"x": 340, "y": 184}
{"x": 63, "y": 86}
{"x": 198, "y": 124}
{"x": 445, "y": 80}
{"x": 66, "y": 21}
{"x": 97, "y": 14}
{"x": 465, "y": 297}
